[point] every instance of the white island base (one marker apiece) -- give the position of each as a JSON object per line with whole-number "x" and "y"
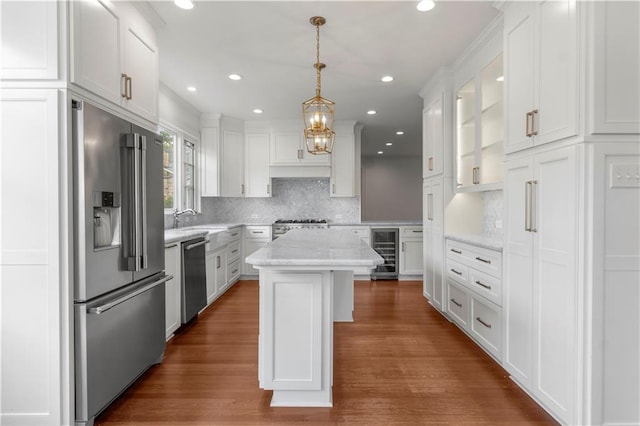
{"x": 298, "y": 305}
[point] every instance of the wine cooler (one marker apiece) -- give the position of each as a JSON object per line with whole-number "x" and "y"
{"x": 385, "y": 242}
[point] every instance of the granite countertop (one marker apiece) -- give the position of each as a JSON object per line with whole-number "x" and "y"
{"x": 317, "y": 248}
{"x": 477, "y": 240}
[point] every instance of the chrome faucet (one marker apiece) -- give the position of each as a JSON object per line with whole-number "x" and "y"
{"x": 177, "y": 213}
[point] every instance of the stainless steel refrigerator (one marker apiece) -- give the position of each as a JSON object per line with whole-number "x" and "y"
{"x": 119, "y": 295}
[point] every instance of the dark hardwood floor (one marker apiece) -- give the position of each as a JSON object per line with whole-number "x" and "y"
{"x": 400, "y": 362}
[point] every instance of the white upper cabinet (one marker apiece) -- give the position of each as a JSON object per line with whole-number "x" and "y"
{"x": 343, "y": 175}
{"x": 479, "y": 130}
{"x": 114, "y": 55}
{"x": 256, "y": 156}
{"x": 433, "y": 137}
{"x": 28, "y": 46}
{"x": 541, "y": 73}
{"x": 288, "y": 149}
{"x": 232, "y": 164}
{"x": 616, "y": 68}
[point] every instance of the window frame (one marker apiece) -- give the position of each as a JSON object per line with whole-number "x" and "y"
{"x": 181, "y": 137}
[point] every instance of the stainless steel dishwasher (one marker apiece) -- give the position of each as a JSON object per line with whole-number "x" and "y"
{"x": 194, "y": 279}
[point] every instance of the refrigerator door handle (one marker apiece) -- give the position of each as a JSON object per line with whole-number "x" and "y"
{"x": 132, "y": 256}
{"x": 97, "y": 310}
{"x": 144, "y": 260}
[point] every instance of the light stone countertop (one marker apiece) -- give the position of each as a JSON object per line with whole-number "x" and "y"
{"x": 477, "y": 240}
{"x": 323, "y": 248}
{"x": 385, "y": 224}
{"x": 182, "y": 234}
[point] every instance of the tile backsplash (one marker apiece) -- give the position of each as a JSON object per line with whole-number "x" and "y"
{"x": 292, "y": 198}
{"x": 492, "y": 208}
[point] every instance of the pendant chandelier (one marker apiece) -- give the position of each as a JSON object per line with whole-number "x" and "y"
{"x": 318, "y": 112}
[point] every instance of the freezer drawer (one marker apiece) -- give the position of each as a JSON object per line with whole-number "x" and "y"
{"x": 117, "y": 338}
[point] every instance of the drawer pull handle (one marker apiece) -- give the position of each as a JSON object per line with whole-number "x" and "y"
{"x": 459, "y": 305}
{"x": 258, "y": 232}
{"x": 234, "y": 251}
{"x": 481, "y": 284}
{"x": 482, "y": 322}
{"x": 417, "y": 232}
{"x": 235, "y": 270}
{"x": 235, "y": 234}
{"x": 483, "y": 260}
{"x": 456, "y": 251}
{"x": 456, "y": 272}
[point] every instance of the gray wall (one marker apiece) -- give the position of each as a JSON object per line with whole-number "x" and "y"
{"x": 293, "y": 198}
{"x": 391, "y": 188}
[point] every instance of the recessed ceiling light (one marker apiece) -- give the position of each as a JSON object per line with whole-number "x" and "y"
{"x": 380, "y": 152}
{"x": 235, "y": 77}
{"x": 184, "y": 4}
{"x": 501, "y": 78}
{"x": 399, "y": 133}
{"x": 425, "y": 5}
{"x": 386, "y": 79}
{"x": 191, "y": 89}
{"x": 371, "y": 112}
{"x": 257, "y": 111}
{"x": 389, "y": 144}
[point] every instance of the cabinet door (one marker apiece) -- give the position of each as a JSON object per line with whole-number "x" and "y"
{"x": 411, "y": 257}
{"x": 466, "y": 100}
{"x": 518, "y": 74}
{"x": 172, "y": 288}
{"x": 140, "y": 64}
{"x": 557, "y": 71}
{"x": 433, "y": 138}
{"x": 250, "y": 246}
{"x": 221, "y": 270}
{"x": 256, "y": 154}
{"x": 555, "y": 292}
{"x": 95, "y": 53}
{"x": 232, "y": 165}
{"x": 491, "y": 123}
{"x": 343, "y": 176}
{"x": 427, "y": 142}
{"x": 433, "y": 241}
{"x": 210, "y": 266}
{"x": 286, "y": 149}
{"x": 518, "y": 273}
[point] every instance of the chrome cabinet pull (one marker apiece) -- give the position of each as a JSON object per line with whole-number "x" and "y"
{"x": 533, "y": 206}
{"x": 123, "y": 80}
{"x": 217, "y": 262}
{"x": 429, "y": 206}
{"x": 456, "y": 272}
{"x": 482, "y": 322}
{"x": 268, "y": 189}
{"x": 527, "y": 131}
{"x": 430, "y": 163}
{"x": 416, "y": 231}
{"x": 481, "y": 284}
{"x": 403, "y": 246}
{"x": 242, "y": 188}
{"x": 192, "y": 246}
{"x": 534, "y": 132}
{"x": 476, "y": 175}
{"x": 334, "y": 188}
{"x": 455, "y": 302}
{"x": 456, "y": 251}
{"x": 527, "y": 206}
{"x": 234, "y": 251}
{"x": 483, "y": 260}
{"x": 234, "y": 271}
{"x": 171, "y": 246}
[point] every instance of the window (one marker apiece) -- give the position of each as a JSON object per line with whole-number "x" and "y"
{"x": 169, "y": 168}
{"x": 188, "y": 180}
{"x": 179, "y": 167}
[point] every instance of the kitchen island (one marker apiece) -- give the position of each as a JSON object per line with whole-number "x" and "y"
{"x": 306, "y": 283}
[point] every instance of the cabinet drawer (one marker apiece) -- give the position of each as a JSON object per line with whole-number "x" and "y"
{"x": 486, "y": 326}
{"x": 234, "y": 234}
{"x": 457, "y": 272}
{"x": 485, "y": 260}
{"x": 486, "y": 285}
{"x": 233, "y": 251}
{"x": 411, "y": 232}
{"x": 458, "y": 304}
{"x": 233, "y": 270}
{"x": 257, "y": 232}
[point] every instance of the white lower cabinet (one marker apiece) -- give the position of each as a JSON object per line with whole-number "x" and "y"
{"x": 172, "y": 266}
{"x": 255, "y": 238}
{"x": 433, "y": 244}
{"x": 541, "y": 287}
{"x": 474, "y": 276}
{"x": 411, "y": 257}
{"x": 216, "y": 267}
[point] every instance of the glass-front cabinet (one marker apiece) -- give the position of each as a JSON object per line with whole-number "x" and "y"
{"x": 479, "y": 140}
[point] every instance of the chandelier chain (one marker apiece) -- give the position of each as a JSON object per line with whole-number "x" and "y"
{"x": 317, "y": 60}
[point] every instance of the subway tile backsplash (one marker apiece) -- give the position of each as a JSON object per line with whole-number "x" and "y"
{"x": 303, "y": 198}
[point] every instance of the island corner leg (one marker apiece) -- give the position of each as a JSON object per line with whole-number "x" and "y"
{"x": 343, "y": 301}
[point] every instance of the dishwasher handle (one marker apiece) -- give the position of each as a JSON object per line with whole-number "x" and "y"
{"x": 194, "y": 245}
{"x": 97, "y": 310}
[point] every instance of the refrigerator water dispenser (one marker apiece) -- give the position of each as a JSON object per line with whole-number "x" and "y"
{"x": 106, "y": 219}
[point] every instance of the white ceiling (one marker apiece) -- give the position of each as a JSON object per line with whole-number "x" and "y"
{"x": 272, "y": 45}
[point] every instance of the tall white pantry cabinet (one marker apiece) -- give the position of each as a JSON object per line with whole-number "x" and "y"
{"x": 44, "y": 47}
{"x": 572, "y": 202}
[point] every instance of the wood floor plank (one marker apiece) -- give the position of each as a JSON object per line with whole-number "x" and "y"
{"x": 399, "y": 362}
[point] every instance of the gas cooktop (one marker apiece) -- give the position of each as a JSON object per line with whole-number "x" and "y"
{"x": 301, "y": 221}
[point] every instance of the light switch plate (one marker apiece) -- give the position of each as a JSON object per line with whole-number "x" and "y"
{"x": 624, "y": 176}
